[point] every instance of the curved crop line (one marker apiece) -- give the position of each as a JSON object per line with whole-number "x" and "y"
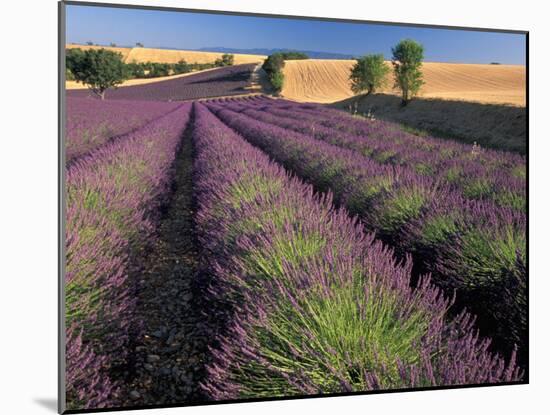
{"x": 120, "y": 136}
{"x": 312, "y": 303}
{"x": 474, "y": 247}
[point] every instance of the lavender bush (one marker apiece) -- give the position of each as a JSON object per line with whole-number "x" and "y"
{"x": 391, "y": 198}
{"x": 113, "y": 199}
{"x": 314, "y": 304}
{"x": 91, "y": 122}
{"x": 477, "y": 174}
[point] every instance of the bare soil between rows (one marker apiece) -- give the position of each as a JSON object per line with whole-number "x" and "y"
{"x": 171, "y": 347}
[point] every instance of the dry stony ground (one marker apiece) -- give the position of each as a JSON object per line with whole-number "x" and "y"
{"x": 171, "y": 350}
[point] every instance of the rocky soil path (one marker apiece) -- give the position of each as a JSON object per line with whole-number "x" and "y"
{"x": 171, "y": 349}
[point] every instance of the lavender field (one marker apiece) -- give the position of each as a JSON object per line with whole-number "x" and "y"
{"x": 254, "y": 247}
{"x": 231, "y": 80}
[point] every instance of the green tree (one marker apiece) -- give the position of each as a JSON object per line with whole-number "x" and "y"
{"x": 99, "y": 69}
{"x": 274, "y": 63}
{"x": 369, "y": 74}
{"x": 407, "y": 63}
{"x": 73, "y": 60}
{"x": 228, "y": 59}
{"x": 293, "y": 55}
{"x": 277, "y": 80}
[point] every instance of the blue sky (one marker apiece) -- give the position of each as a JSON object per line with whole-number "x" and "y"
{"x": 180, "y": 30}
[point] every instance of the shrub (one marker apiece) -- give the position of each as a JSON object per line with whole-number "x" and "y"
{"x": 181, "y": 67}
{"x": 136, "y": 70}
{"x": 159, "y": 69}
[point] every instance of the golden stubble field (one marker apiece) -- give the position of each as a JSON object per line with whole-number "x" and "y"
{"x": 327, "y": 81}
{"x": 141, "y": 55}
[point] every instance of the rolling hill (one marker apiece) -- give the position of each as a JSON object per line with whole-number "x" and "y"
{"x": 327, "y": 81}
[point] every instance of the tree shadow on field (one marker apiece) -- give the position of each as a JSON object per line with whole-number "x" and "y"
{"x": 490, "y": 125}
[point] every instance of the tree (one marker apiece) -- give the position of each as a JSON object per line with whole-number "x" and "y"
{"x": 368, "y": 74}
{"x": 277, "y": 81}
{"x": 293, "y": 55}
{"x": 73, "y": 60}
{"x": 228, "y": 59}
{"x": 99, "y": 69}
{"x": 139, "y": 45}
{"x": 274, "y": 63}
{"x": 407, "y": 61}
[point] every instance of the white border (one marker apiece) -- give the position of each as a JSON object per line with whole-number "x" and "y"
{"x": 28, "y": 163}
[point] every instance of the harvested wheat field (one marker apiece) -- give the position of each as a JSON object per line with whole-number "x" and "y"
{"x": 123, "y": 51}
{"x": 140, "y": 55}
{"x": 327, "y": 81}
{"x": 173, "y": 56}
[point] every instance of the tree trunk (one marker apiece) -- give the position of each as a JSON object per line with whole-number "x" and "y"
{"x": 405, "y": 98}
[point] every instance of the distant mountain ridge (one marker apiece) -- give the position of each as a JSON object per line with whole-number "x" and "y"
{"x": 263, "y": 51}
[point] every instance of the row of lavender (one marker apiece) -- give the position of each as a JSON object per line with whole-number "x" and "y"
{"x": 92, "y": 122}
{"x": 472, "y": 246}
{"x": 113, "y": 199}
{"x": 477, "y": 174}
{"x": 314, "y": 304}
